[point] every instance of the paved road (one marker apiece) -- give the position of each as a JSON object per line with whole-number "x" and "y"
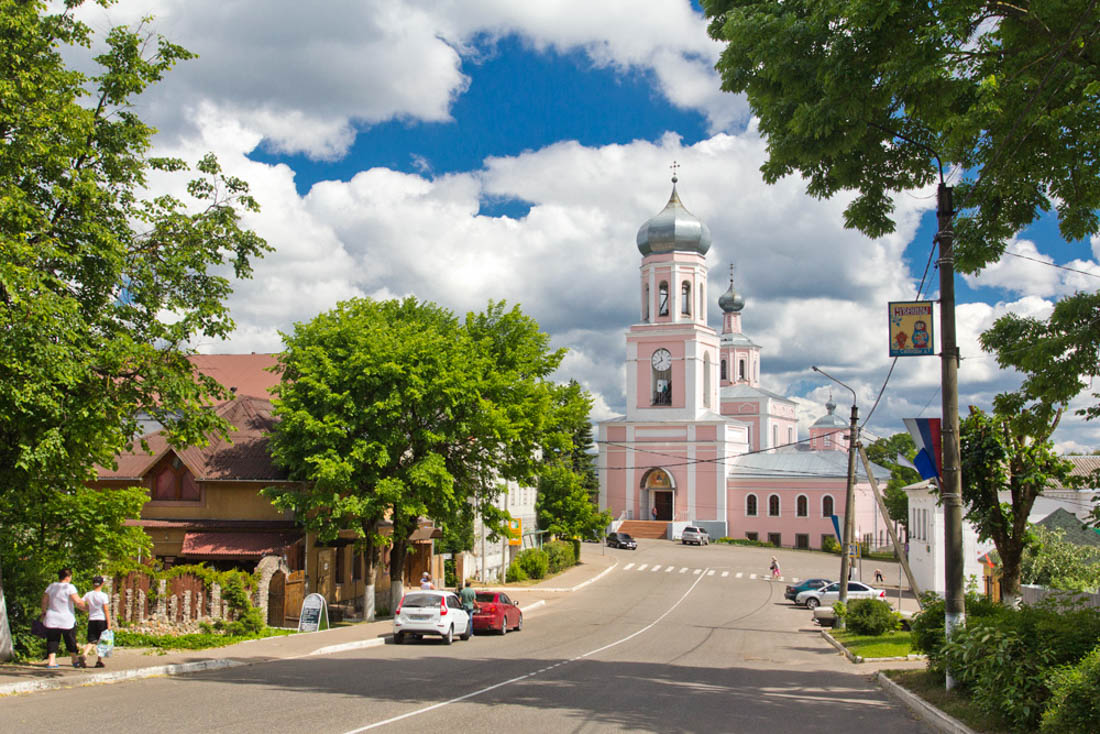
{"x": 675, "y": 639}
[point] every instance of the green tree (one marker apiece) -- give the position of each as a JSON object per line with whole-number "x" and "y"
{"x": 102, "y": 289}
{"x": 863, "y": 96}
{"x": 566, "y": 503}
{"x": 395, "y": 410}
{"x": 885, "y": 452}
{"x": 1051, "y": 560}
{"x": 1008, "y": 453}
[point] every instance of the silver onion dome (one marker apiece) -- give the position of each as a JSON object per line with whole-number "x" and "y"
{"x": 674, "y": 229}
{"x": 731, "y": 301}
{"x": 830, "y": 419}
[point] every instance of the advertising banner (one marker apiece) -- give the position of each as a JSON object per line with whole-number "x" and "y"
{"x": 911, "y": 329}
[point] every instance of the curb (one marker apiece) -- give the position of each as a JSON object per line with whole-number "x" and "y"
{"x": 925, "y": 711}
{"x": 121, "y": 675}
{"x": 845, "y": 651}
{"x": 581, "y": 585}
{"x": 358, "y": 644}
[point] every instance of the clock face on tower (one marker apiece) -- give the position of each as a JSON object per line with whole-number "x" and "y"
{"x": 662, "y": 360}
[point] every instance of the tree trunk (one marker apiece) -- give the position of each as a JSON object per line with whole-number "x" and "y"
{"x": 397, "y": 565}
{"x": 370, "y": 561}
{"x": 1010, "y": 576}
{"x": 5, "y": 630}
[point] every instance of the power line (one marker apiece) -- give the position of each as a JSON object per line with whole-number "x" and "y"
{"x": 1051, "y": 265}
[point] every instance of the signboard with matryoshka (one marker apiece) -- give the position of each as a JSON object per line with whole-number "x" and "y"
{"x": 911, "y": 329}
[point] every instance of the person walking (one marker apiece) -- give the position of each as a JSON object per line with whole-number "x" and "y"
{"x": 426, "y": 582}
{"x": 99, "y": 617}
{"x": 878, "y": 576}
{"x": 57, "y": 616}
{"x": 468, "y": 597}
{"x": 775, "y": 568}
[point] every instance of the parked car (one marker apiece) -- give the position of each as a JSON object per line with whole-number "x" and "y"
{"x": 438, "y": 613}
{"x": 828, "y": 595}
{"x": 621, "y": 540}
{"x": 495, "y": 611}
{"x": 792, "y": 592}
{"x": 696, "y": 535}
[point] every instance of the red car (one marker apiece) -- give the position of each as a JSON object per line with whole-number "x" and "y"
{"x": 495, "y": 611}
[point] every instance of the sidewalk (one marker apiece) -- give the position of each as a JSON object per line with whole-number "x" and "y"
{"x": 132, "y": 663}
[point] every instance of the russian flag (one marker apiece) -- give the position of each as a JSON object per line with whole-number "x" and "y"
{"x": 926, "y": 435}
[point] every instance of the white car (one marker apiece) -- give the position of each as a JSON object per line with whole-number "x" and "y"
{"x": 696, "y": 535}
{"x": 431, "y": 613}
{"x": 830, "y": 594}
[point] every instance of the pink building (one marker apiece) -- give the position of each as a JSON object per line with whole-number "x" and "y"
{"x": 701, "y": 442}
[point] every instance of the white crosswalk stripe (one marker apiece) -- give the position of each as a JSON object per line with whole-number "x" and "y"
{"x": 710, "y": 572}
{"x": 628, "y": 566}
{"x": 739, "y": 575}
{"x": 683, "y": 570}
{"x": 696, "y": 572}
{"x": 643, "y": 567}
{"x": 725, "y": 574}
{"x": 668, "y": 569}
{"x": 655, "y": 568}
{"x": 752, "y": 575}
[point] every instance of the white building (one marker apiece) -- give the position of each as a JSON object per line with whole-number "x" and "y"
{"x": 490, "y": 559}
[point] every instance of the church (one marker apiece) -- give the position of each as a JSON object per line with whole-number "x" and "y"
{"x": 701, "y": 442}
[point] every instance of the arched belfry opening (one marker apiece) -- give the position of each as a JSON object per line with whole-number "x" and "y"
{"x": 660, "y": 489}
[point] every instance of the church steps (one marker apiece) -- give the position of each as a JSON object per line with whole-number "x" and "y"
{"x": 645, "y": 528}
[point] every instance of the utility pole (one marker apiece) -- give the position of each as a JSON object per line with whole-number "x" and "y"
{"x": 951, "y": 487}
{"x": 849, "y": 498}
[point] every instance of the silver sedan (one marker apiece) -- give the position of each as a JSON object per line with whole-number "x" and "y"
{"x": 813, "y": 598}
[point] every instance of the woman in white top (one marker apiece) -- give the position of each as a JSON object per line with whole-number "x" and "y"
{"x": 99, "y": 616}
{"x": 426, "y": 581}
{"x": 57, "y": 615}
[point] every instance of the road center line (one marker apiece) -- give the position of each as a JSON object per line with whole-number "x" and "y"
{"x": 532, "y": 674}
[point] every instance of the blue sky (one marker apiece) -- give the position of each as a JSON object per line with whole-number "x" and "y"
{"x": 462, "y": 151}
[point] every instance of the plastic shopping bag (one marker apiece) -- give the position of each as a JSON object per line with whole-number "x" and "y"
{"x": 106, "y": 644}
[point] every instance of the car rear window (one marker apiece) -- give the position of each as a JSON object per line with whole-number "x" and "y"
{"x": 420, "y": 600}
{"x": 486, "y": 596}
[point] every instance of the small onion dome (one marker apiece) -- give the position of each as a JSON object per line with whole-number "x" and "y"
{"x": 731, "y": 301}
{"x": 674, "y": 229}
{"x": 830, "y": 419}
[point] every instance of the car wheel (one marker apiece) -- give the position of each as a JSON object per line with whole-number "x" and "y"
{"x": 469, "y": 629}
{"x": 449, "y": 635}
{"x": 519, "y": 625}
{"x": 812, "y": 603}
{"x": 503, "y": 624}
{"x": 399, "y": 638}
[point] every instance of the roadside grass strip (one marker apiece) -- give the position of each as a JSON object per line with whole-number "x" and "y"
{"x": 533, "y": 673}
{"x": 897, "y": 644}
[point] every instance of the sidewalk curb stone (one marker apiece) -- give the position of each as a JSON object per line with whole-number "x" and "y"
{"x": 928, "y": 713}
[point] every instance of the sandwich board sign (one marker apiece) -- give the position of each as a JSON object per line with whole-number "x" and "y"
{"x": 313, "y": 606}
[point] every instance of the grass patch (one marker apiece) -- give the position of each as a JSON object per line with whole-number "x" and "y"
{"x": 197, "y": 641}
{"x": 890, "y": 645}
{"x": 930, "y": 687}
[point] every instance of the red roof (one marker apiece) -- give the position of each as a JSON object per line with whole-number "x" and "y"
{"x": 244, "y": 456}
{"x": 239, "y": 545}
{"x": 244, "y": 374}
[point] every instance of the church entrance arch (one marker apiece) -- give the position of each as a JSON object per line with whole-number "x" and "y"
{"x": 661, "y": 488}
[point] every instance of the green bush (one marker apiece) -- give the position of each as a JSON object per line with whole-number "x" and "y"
{"x": 871, "y": 617}
{"x": 829, "y": 544}
{"x": 1074, "y": 706}
{"x": 534, "y": 562}
{"x": 250, "y": 622}
{"x": 744, "y": 541}
{"x": 927, "y": 626}
{"x": 561, "y": 555}
{"x": 515, "y": 573}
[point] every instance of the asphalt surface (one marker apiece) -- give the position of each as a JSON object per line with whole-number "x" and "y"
{"x": 674, "y": 639}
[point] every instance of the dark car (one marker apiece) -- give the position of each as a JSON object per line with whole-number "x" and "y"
{"x": 793, "y": 591}
{"x": 621, "y": 540}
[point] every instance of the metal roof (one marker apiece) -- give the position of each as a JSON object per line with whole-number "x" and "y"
{"x": 795, "y": 464}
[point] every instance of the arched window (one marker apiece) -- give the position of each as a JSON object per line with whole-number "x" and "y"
{"x": 645, "y": 304}
{"x": 773, "y": 506}
{"x": 725, "y": 374}
{"x": 775, "y": 436}
{"x": 828, "y": 440}
{"x": 662, "y": 299}
{"x": 685, "y": 298}
{"x": 790, "y": 435}
{"x": 802, "y": 506}
{"x": 740, "y": 369}
{"x": 750, "y": 505}
{"x": 706, "y": 380}
{"x": 827, "y": 506}
{"x": 702, "y": 304}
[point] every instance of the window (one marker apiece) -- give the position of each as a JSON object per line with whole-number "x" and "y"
{"x": 802, "y": 506}
{"x": 662, "y": 299}
{"x": 750, "y": 505}
{"x": 827, "y": 506}
{"x": 702, "y": 304}
{"x": 775, "y": 436}
{"x": 776, "y": 539}
{"x": 828, "y": 440}
{"x": 174, "y": 483}
{"x": 340, "y": 553}
{"x": 801, "y": 540}
{"x": 790, "y": 435}
{"x": 752, "y": 536}
{"x": 725, "y": 374}
{"x": 773, "y": 506}
{"x": 740, "y": 369}
{"x": 645, "y": 304}
{"x": 706, "y": 381}
{"x": 685, "y": 298}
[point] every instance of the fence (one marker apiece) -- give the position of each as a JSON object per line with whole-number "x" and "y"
{"x": 182, "y": 600}
{"x": 1032, "y": 594}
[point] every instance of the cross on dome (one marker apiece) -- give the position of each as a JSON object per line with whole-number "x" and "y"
{"x": 675, "y": 166}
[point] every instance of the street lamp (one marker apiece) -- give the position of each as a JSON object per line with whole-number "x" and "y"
{"x": 845, "y": 562}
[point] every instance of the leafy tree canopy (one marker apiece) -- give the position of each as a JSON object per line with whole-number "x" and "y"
{"x": 396, "y": 410}
{"x": 858, "y": 94}
{"x": 1054, "y": 562}
{"x": 102, "y": 287}
{"x": 1007, "y": 462}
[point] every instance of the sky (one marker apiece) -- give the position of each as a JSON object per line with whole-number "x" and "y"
{"x": 467, "y": 150}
